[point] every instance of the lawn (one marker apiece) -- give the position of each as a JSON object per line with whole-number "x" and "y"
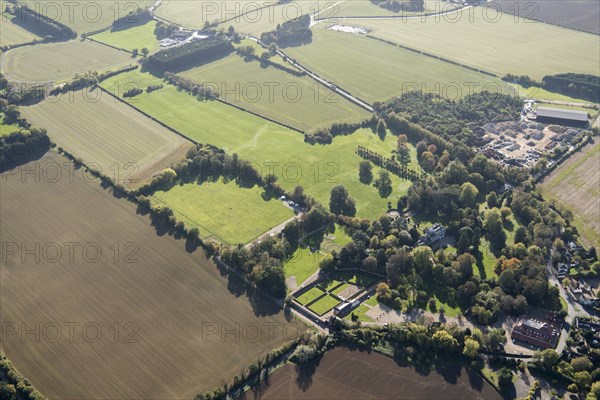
{"x": 361, "y": 313}
{"x": 108, "y": 135}
{"x": 486, "y": 261}
{"x": 449, "y": 311}
{"x": 61, "y": 61}
{"x": 341, "y": 288}
{"x": 283, "y": 97}
{"x": 324, "y": 305}
{"x": 310, "y": 295}
{"x": 224, "y": 211}
{"x": 146, "y": 297}
{"x": 14, "y": 33}
{"x": 136, "y": 37}
{"x": 302, "y": 264}
{"x": 87, "y": 15}
{"x": 316, "y": 167}
{"x": 5, "y": 128}
{"x": 329, "y": 284}
{"x": 499, "y": 43}
{"x": 376, "y": 71}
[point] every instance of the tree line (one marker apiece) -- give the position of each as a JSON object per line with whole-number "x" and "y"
{"x": 198, "y": 51}
{"x": 290, "y": 32}
{"x": 581, "y": 86}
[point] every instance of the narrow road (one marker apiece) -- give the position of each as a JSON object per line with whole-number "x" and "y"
{"x": 273, "y": 231}
{"x": 571, "y": 311}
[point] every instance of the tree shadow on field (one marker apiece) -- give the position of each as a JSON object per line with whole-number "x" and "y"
{"x": 305, "y": 373}
{"x": 261, "y": 304}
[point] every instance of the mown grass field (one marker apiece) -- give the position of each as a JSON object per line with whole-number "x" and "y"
{"x": 575, "y": 185}
{"x": 224, "y": 211}
{"x": 136, "y": 37}
{"x": 362, "y": 8}
{"x": 61, "y": 61}
{"x": 302, "y": 265}
{"x": 13, "y": 33}
{"x": 153, "y": 312}
{"x": 87, "y": 15}
{"x": 376, "y": 71}
{"x": 316, "y": 167}
{"x": 495, "y": 42}
{"x": 193, "y": 14}
{"x": 295, "y": 101}
{"x": 267, "y": 19}
{"x": 108, "y": 135}
{"x": 543, "y": 94}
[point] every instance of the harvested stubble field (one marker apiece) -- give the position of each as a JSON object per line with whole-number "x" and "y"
{"x": 376, "y": 71}
{"x": 351, "y": 374}
{"x": 366, "y": 8}
{"x": 13, "y": 33}
{"x": 170, "y": 306}
{"x": 108, "y": 135}
{"x": 316, "y": 167}
{"x": 295, "y": 101}
{"x": 575, "y": 184}
{"x": 224, "y": 211}
{"x": 61, "y": 61}
{"x": 485, "y": 39}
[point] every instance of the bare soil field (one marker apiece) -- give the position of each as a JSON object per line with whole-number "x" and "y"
{"x": 576, "y": 14}
{"x": 347, "y": 374}
{"x": 576, "y": 184}
{"x": 130, "y": 312}
{"x": 108, "y": 135}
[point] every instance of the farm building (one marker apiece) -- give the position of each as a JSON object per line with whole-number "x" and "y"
{"x": 559, "y": 116}
{"x": 537, "y": 333}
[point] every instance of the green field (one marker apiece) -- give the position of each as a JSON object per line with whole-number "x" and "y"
{"x": 294, "y": 101}
{"x": 5, "y": 128}
{"x": 543, "y": 94}
{"x": 136, "y": 37}
{"x": 323, "y": 305}
{"x": 87, "y": 15}
{"x": 13, "y": 33}
{"x": 376, "y": 71}
{"x": 302, "y": 264}
{"x": 61, "y": 61}
{"x": 224, "y": 211}
{"x": 498, "y": 43}
{"x": 317, "y": 168}
{"x": 108, "y": 135}
{"x": 310, "y": 295}
{"x": 341, "y": 288}
{"x": 193, "y": 14}
{"x": 367, "y": 8}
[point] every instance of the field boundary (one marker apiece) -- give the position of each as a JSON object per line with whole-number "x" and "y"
{"x": 107, "y": 45}
{"x": 259, "y": 115}
{"x": 148, "y": 115}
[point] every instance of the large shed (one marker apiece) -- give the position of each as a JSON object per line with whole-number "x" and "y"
{"x": 558, "y": 116}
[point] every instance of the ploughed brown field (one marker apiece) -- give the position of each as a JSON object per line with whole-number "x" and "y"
{"x": 350, "y": 374}
{"x": 129, "y": 312}
{"x": 576, "y": 14}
